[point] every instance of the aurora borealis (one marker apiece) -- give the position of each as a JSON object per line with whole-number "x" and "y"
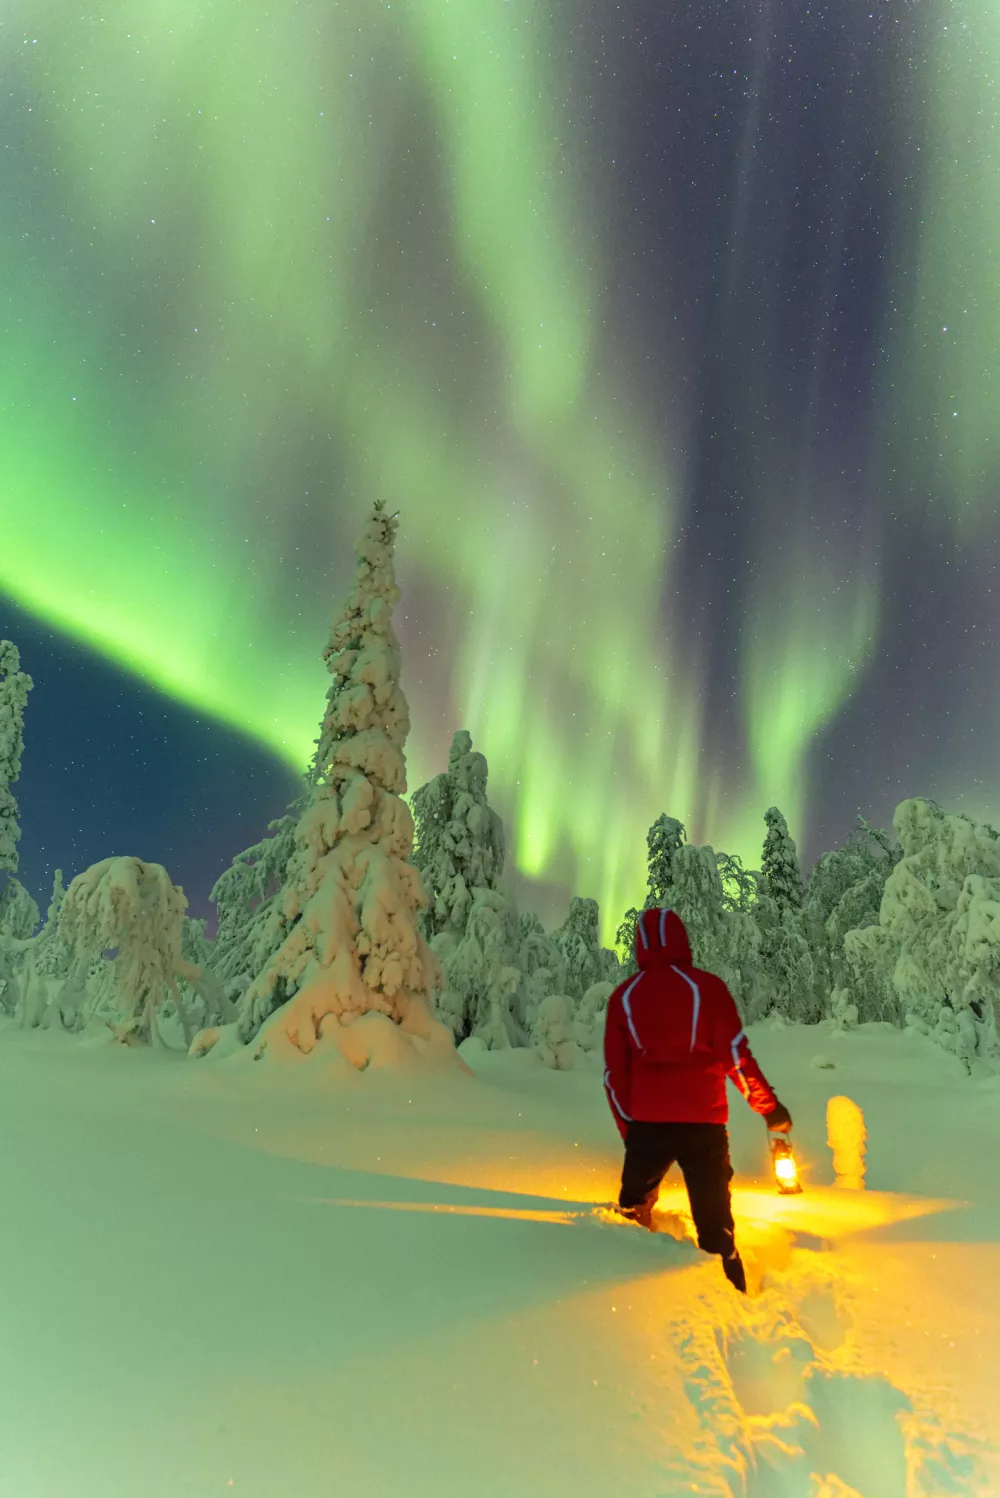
{"x": 673, "y": 333}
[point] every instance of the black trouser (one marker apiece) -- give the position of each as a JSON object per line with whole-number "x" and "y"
{"x": 702, "y": 1152}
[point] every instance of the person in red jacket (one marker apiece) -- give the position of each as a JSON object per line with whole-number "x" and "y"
{"x": 672, "y": 1037}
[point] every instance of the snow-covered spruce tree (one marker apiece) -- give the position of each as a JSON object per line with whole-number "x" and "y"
{"x": 130, "y": 907}
{"x": 566, "y": 998}
{"x": 18, "y": 911}
{"x": 780, "y": 863}
{"x": 251, "y": 923}
{"x": 482, "y": 992}
{"x": 18, "y": 919}
{"x": 541, "y": 966}
{"x": 353, "y": 961}
{"x": 460, "y": 845}
{"x": 497, "y": 967}
{"x": 663, "y": 842}
{"x": 844, "y": 893}
{"x": 47, "y": 965}
{"x": 578, "y": 941}
{"x": 15, "y": 685}
{"x": 933, "y": 960}
{"x": 785, "y": 982}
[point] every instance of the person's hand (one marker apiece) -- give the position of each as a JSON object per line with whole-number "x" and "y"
{"x": 779, "y": 1120}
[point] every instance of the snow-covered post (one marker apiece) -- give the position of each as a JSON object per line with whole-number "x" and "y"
{"x": 846, "y": 1136}
{"x": 352, "y": 897}
{"x": 131, "y": 906}
{"x": 15, "y": 685}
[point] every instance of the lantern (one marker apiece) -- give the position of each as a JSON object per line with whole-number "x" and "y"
{"x": 786, "y": 1172}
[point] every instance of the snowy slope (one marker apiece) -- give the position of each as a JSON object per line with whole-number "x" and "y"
{"x": 223, "y": 1278}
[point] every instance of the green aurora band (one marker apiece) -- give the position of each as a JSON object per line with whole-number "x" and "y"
{"x": 269, "y": 268}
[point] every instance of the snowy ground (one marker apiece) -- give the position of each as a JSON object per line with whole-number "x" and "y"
{"x": 226, "y": 1278}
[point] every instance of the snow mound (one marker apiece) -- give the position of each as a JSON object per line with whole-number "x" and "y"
{"x": 340, "y": 1043}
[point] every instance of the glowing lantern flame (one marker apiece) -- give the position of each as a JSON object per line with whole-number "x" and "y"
{"x": 786, "y": 1172}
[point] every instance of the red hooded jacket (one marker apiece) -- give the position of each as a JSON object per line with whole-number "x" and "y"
{"x": 673, "y": 1035}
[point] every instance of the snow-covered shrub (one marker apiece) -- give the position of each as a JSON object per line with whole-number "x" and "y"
{"x": 843, "y": 1010}
{"x": 130, "y": 907}
{"x": 564, "y": 1029}
{"x": 553, "y": 1033}
{"x": 15, "y": 685}
{"x": 351, "y": 896}
{"x": 591, "y": 1012}
{"x": 460, "y": 839}
{"x": 846, "y": 1136}
{"x": 935, "y": 954}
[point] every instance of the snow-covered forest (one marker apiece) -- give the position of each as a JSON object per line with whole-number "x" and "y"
{"x": 384, "y": 1260}
{"x": 381, "y": 927}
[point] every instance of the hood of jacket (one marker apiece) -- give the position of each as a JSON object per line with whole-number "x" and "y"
{"x": 661, "y": 938}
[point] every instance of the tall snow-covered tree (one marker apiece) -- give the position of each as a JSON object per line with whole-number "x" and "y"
{"x": 130, "y": 907}
{"x": 494, "y": 969}
{"x": 785, "y": 981}
{"x": 352, "y": 897}
{"x": 663, "y": 842}
{"x": 15, "y": 685}
{"x": 780, "y": 863}
{"x": 460, "y": 839}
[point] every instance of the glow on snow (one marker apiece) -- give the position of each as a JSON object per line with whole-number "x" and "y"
{"x": 293, "y": 260}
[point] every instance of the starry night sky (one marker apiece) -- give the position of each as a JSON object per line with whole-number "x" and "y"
{"x": 671, "y": 330}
